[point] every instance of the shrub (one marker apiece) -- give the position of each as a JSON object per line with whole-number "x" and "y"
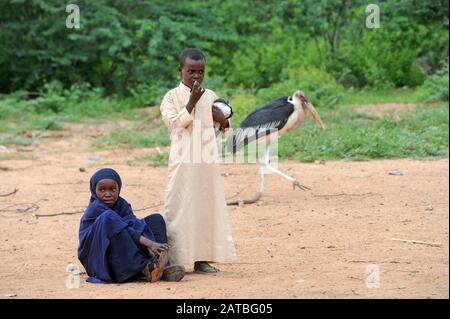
{"x": 318, "y": 85}
{"x": 435, "y": 86}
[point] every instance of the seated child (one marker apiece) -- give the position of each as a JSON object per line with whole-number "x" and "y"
{"x": 116, "y": 246}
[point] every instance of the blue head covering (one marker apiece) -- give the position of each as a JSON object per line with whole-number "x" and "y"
{"x": 104, "y": 173}
{"x": 99, "y": 223}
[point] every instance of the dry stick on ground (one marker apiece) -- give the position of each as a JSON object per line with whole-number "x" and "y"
{"x": 246, "y": 201}
{"x": 80, "y": 273}
{"x": 258, "y": 196}
{"x": 32, "y": 207}
{"x": 243, "y": 201}
{"x": 345, "y": 194}
{"x": 237, "y": 193}
{"x": 6, "y": 169}
{"x": 57, "y": 214}
{"x": 73, "y": 183}
{"x": 152, "y": 206}
{"x": 417, "y": 242}
{"x": 81, "y": 211}
{"x": 8, "y": 194}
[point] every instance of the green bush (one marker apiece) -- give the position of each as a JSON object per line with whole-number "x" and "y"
{"x": 126, "y": 47}
{"x": 382, "y": 61}
{"x": 318, "y": 85}
{"x": 435, "y": 87}
{"x": 257, "y": 66}
{"x": 13, "y": 105}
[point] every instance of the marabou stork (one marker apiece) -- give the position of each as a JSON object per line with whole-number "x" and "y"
{"x": 272, "y": 121}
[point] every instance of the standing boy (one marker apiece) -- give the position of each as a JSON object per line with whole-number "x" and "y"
{"x": 195, "y": 210}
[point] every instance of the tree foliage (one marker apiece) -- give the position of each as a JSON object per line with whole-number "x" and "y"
{"x": 126, "y": 47}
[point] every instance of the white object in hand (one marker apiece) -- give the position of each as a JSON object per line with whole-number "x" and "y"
{"x": 224, "y": 107}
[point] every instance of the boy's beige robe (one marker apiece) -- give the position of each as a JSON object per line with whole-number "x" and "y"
{"x": 195, "y": 208}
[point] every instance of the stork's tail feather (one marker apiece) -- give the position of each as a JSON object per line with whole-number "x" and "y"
{"x": 243, "y": 136}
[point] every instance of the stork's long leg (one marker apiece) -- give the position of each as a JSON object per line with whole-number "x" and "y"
{"x": 262, "y": 168}
{"x": 261, "y": 179}
{"x": 266, "y": 165}
{"x": 294, "y": 182}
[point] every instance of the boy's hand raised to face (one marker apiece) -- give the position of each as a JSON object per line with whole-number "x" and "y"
{"x": 196, "y": 92}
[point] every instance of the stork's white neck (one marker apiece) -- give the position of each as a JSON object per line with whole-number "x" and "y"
{"x": 297, "y": 104}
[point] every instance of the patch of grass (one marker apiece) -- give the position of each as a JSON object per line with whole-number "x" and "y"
{"x": 134, "y": 137}
{"x": 20, "y": 140}
{"x": 13, "y": 132}
{"x": 16, "y": 156}
{"x": 407, "y": 95}
{"x": 155, "y": 160}
{"x": 418, "y": 133}
{"x": 56, "y": 106}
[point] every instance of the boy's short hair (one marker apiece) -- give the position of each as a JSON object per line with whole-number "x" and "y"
{"x": 191, "y": 53}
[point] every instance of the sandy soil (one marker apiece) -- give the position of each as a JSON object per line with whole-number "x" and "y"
{"x": 393, "y": 109}
{"x": 335, "y": 241}
{"x": 383, "y": 108}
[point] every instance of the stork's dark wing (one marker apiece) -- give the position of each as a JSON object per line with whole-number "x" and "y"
{"x": 261, "y": 122}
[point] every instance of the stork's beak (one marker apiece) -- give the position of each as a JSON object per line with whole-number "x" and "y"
{"x": 314, "y": 114}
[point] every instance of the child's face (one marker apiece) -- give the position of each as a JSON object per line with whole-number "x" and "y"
{"x": 107, "y": 191}
{"x": 192, "y": 70}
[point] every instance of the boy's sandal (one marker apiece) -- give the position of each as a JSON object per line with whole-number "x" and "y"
{"x": 207, "y": 269}
{"x": 150, "y": 272}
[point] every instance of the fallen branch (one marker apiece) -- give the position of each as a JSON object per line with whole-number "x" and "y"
{"x": 81, "y": 211}
{"x": 80, "y": 273}
{"x": 74, "y": 183}
{"x": 27, "y": 150}
{"x": 8, "y": 194}
{"x": 345, "y": 194}
{"x": 33, "y": 207}
{"x": 58, "y": 214}
{"x": 245, "y": 201}
{"x": 148, "y": 207}
{"x": 417, "y": 242}
{"x": 237, "y": 193}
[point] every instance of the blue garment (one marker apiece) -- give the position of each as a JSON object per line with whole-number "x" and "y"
{"x": 109, "y": 246}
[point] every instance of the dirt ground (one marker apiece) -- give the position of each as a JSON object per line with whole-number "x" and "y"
{"x": 338, "y": 240}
